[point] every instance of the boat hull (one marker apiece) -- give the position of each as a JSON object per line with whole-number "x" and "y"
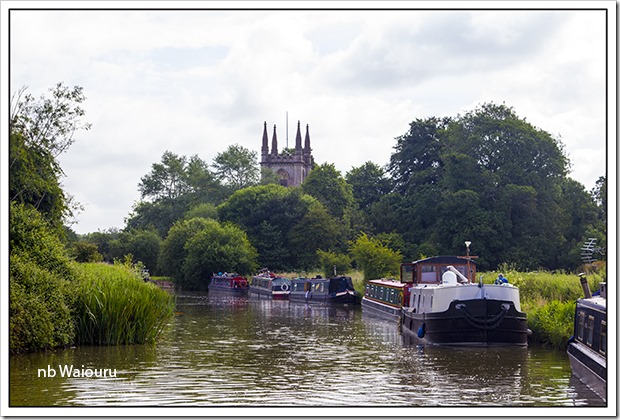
{"x": 475, "y": 322}
{"x": 336, "y": 299}
{"x": 381, "y": 310}
{"x": 269, "y": 294}
{"x": 229, "y": 291}
{"x": 589, "y": 367}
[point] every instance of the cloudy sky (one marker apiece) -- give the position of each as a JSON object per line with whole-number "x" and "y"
{"x": 195, "y": 81}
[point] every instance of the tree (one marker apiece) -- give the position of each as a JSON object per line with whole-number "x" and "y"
{"x": 268, "y": 213}
{"x": 86, "y": 252}
{"x": 374, "y": 258}
{"x": 173, "y": 253}
{"x": 40, "y": 130}
{"x": 369, "y": 183}
{"x": 316, "y": 230}
{"x": 217, "y": 248}
{"x": 326, "y": 184}
{"x": 237, "y": 167}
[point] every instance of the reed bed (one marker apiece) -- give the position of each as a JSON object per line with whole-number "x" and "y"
{"x": 115, "y": 306}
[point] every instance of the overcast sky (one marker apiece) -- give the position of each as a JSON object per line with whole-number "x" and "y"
{"x": 194, "y": 82}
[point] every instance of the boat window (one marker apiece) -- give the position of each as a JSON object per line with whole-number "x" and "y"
{"x": 590, "y": 330}
{"x": 413, "y": 300}
{"x": 429, "y": 274}
{"x": 603, "y": 347}
{"x": 407, "y": 273}
{"x": 392, "y": 297}
{"x": 581, "y": 325}
{"x": 431, "y": 302}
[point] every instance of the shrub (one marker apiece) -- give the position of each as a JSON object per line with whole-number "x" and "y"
{"x": 375, "y": 259}
{"x": 40, "y": 307}
{"x": 328, "y": 260}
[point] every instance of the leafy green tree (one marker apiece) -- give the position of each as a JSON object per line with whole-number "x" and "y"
{"x": 329, "y": 260}
{"x": 268, "y": 213}
{"x": 84, "y": 251}
{"x": 326, "y": 184}
{"x": 217, "y": 248}
{"x": 316, "y": 230}
{"x": 102, "y": 240}
{"x": 204, "y": 210}
{"x": 374, "y": 258}
{"x": 40, "y": 130}
{"x": 173, "y": 253}
{"x": 369, "y": 183}
{"x": 237, "y": 167}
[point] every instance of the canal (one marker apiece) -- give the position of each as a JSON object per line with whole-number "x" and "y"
{"x": 240, "y": 352}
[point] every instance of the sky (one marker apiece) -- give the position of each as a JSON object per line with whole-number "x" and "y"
{"x": 193, "y": 82}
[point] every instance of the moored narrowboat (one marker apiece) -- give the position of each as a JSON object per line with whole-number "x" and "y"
{"x": 229, "y": 283}
{"x": 320, "y": 290}
{"x": 587, "y": 348}
{"x": 269, "y": 285}
{"x": 385, "y": 298}
{"x": 447, "y": 308}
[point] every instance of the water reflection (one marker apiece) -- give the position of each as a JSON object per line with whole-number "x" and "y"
{"x": 234, "y": 351}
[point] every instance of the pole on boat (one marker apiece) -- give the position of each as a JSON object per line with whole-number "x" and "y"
{"x": 467, "y": 244}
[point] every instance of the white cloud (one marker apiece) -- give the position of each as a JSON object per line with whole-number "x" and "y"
{"x": 195, "y": 82}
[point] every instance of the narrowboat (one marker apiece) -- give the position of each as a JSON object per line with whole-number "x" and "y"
{"x": 385, "y": 298}
{"x": 321, "y": 290}
{"x": 269, "y": 285}
{"x": 227, "y": 283}
{"x": 587, "y": 348}
{"x": 447, "y": 308}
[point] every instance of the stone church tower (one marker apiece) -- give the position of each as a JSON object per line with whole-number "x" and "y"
{"x": 291, "y": 168}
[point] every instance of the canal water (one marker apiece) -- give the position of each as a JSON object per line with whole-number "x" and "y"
{"x": 240, "y": 352}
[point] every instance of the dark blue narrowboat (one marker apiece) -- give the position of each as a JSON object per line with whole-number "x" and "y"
{"x": 587, "y": 349}
{"x": 337, "y": 290}
{"x": 230, "y": 284}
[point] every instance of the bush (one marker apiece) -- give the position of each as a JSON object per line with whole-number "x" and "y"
{"x": 115, "y": 306}
{"x": 41, "y": 283}
{"x": 552, "y": 324}
{"x": 40, "y": 307}
{"x": 328, "y": 260}
{"x": 375, "y": 259}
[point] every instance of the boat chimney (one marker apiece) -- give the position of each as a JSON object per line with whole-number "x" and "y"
{"x": 584, "y": 285}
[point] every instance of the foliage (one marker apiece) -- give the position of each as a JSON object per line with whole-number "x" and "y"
{"x": 374, "y": 258}
{"x": 216, "y": 248}
{"x": 86, "y": 252}
{"x": 204, "y": 210}
{"x": 39, "y": 130}
{"x": 326, "y": 184}
{"x": 41, "y": 283}
{"x": 237, "y": 167}
{"x": 552, "y": 324}
{"x": 115, "y": 306}
{"x": 268, "y": 213}
{"x": 40, "y": 302}
{"x": 330, "y": 260}
{"x": 316, "y": 230}
{"x": 368, "y": 183}
{"x": 173, "y": 252}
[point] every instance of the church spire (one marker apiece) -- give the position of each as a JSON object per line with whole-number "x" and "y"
{"x": 265, "y": 148}
{"x": 307, "y": 141}
{"x": 298, "y": 138}
{"x": 274, "y": 142}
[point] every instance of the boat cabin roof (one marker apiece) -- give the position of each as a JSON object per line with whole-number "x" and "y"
{"x": 387, "y": 282}
{"x": 430, "y": 270}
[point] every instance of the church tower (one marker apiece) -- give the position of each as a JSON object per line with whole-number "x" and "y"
{"x": 292, "y": 168}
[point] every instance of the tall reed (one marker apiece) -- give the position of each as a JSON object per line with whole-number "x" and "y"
{"x": 115, "y": 306}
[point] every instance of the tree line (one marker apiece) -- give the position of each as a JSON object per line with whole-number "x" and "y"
{"x": 487, "y": 176}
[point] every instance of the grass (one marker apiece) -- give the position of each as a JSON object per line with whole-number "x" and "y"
{"x": 115, "y": 306}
